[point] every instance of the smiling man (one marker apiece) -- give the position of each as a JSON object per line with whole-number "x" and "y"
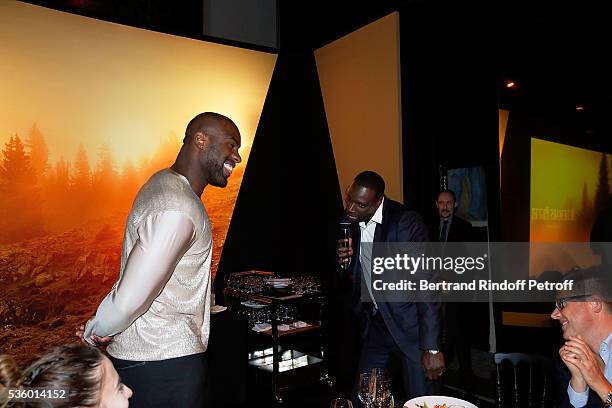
{"x": 585, "y": 315}
{"x": 157, "y": 315}
{"x": 408, "y": 331}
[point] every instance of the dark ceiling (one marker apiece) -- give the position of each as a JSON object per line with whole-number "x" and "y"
{"x": 303, "y": 25}
{"x": 556, "y": 53}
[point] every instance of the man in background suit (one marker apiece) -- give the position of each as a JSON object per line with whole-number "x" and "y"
{"x": 448, "y": 227}
{"x": 408, "y": 331}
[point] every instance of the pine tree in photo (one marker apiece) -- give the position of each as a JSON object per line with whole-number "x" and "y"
{"x": 20, "y": 203}
{"x": 38, "y": 153}
{"x": 104, "y": 182}
{"x": 79, "y": 205}
{"x": 81, "y": 179}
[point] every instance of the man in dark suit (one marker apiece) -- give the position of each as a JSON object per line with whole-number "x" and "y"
{"x": 448, "y": 227}
{"x": 408, "y": 331}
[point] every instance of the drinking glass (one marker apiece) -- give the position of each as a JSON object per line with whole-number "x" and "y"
{"x": 380, "y": 372}
{"x": 341, "y": 403}
{"x": 381, "y": 393}
{"x": 364, "y": 389}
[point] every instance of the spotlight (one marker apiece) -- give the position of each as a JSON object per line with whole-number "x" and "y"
{"x": 510, "y": 84}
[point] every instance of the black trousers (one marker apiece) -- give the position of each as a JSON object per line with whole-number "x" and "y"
{"x": 176, "y": 382}
{"x": 379, "y": 349}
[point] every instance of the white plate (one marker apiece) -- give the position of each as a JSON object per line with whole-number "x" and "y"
{"x": 260, "y": 327}
{"x": 432, "y": 400}
{"x": 254, "y": 305}
{"x": 217, "y": 309}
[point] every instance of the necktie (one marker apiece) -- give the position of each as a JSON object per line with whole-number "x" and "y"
{"x": 443, "y": 231}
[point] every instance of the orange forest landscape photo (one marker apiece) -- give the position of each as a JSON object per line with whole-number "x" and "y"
{"x": 82, "y": 127}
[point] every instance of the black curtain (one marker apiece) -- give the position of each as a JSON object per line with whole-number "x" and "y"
{"x": 286, "y": 213}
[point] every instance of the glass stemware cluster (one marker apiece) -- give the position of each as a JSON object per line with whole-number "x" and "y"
{"x": 255, "y": 283}
{"x": 258, "y": 313}
{"x": 306, "y": 284}
{"x": 285, "y": 313}
{"x": 375, "y": 389}
{"x": 246, "y": 284}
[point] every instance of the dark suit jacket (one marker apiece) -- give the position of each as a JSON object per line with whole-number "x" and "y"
{"x": 412, "y": 325}
{"x": 460, "y": 230}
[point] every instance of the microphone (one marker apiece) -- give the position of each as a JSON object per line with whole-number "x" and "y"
{"x": 345, "y": 234}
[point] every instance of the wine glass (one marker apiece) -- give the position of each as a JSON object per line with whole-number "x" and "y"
{"x": 341, "y": 403}
{"x": 380, "y": 372}
{"x": 381, "y": 394}
{"x": 364, "y": 389}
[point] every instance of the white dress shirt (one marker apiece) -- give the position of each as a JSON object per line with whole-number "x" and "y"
{"x": 579, "y": 399}
{"x": 365, "y": 248}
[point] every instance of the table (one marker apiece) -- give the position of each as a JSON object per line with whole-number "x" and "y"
{"x": 282, "y": 360}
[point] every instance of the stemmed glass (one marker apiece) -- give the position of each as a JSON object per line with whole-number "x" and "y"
{"x": 364, "y": 389}
{"x": 379, "y": 372}
{"x": 375, "y": 389}
{"x": 381, "y": 394}
{"x": 341, "y": 403}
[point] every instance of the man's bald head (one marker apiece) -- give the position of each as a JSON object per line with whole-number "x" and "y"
{"x": 210, "y": 123}
{"x": 210, "y": 151}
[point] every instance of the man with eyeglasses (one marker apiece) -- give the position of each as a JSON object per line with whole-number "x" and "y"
{"x": 585, "y": 315}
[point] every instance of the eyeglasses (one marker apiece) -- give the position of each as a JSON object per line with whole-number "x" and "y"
{"x": 562, "y": 302}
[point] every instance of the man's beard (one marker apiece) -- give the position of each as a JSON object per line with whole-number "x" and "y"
{"x": 213, "y": 167}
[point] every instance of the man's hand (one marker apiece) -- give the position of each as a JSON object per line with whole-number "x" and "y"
{"x": 577, "y": 381}
{"x": 344, "y": 250}
{"x": 101, "y": 341}
{"x": 589, "y": 364}
{"x": 433, "y": 365}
